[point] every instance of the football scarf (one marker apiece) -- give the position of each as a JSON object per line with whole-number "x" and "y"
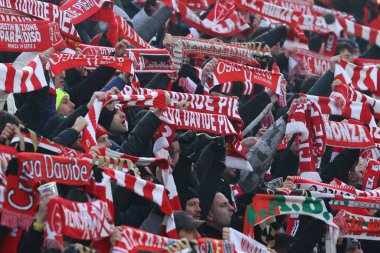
{"x": 303, "y": 6}
{"x": 22, "y": 180}
{"x": 134, "y": 240}
{"x": 322, "y": 11}
{"x": 275, "y": 12}
{"x": 371, "y": 176}
{"x": 362, "y": 77}
{"x": 265, "y": 206}
{"x": 45, "y": 11}
{"x": 29, "y": 78}
{"x": 184, "y": 46}
{"x": 83, "y": 221}
{"x": 29, "y": 36}
{"x": 358, "y": 226}
{"x": 242, "y": 243}
{"x": 223, "y": 20}
{"x": 155, "y": 99}
{"x": 227, "y": 71}
{"x": 14, "y": 16}
{"x": 60, "y": 62}
{"x": 310, "y": 63}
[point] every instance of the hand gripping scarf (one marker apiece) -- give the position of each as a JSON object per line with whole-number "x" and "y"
{"x": 358, "y": 226}
{"x": 265, "y": 206}
{"x": 29, "y": 78}
{"x": 29, "y": 36}
{"x": 60, "y": 62}
{"x": 83, "y": 221}
{"x": 45, "y": 11}
{"x": 21, "y": 194}
{"x": 184, "y": 46}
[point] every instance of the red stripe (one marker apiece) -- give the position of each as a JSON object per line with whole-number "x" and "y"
{"x": 372, "y": 35}
{"x": 355, "y": 75}
{"x": 358, "y": 29}
{"x": 34, "y": 80}
{"x": 148, "y": 189}
{"x": 9, "y": 85}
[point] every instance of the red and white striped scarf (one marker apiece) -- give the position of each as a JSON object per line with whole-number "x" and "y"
{"x": 44, "y": 11}
{"x": 83, "y": 221}
{"x": 322, "y": 11}
{"x": 227, "y": 71}
{"x": 345, "y": 92}
{"x": 303, "y": 6}
{"x": 30, "y": 36}
{"x": 61, "y": 61}
{"x": 29, "y": 78}
{"x": 155, "y": 99}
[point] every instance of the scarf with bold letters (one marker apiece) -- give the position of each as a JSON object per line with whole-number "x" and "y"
{"x": 23, "y": 178}
{"x": 29, "y": 78}
{"x": 358, "y": 226}
{"x": 29, "y": 36}
{"x": 242, "y": 243}
{"x": 309, "y": 62}
{"x": 227, "y": 71}
{"x": 371, "y": 176}
{"x": 60, "y": 62}
{"x": 322, "y": 11}
{"x": 265, "y": 206}
{"x": 45, "y": 11}
{"x": 83, "y": 221}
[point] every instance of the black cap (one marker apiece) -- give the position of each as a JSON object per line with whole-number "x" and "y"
{"x": 183, "y": 220}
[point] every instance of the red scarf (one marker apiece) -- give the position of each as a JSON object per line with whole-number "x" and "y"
{"x": 133, "y": 240}
{"x": 21, "y": 196}
{"x": 303, "y": 6}
{"x": 227, "y": 71}
{"x": 60, "y": 62}
{"x": 45, "y": 11}
{"x": 322, "y": 11}
{"x": 358, "y": 226}
{"x": 310, "y": 63}
{"x": 278, "y": 13}
{"x": 223, "y": 20}
{"x": 29, "y": 36}
{"x": 371, "y": 177}
{"x": 29, "y": 78}
{"x": 83, "y": 221}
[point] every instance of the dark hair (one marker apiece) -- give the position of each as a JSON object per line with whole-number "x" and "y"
{"x": 6, "y": 117}
{"x": 308, "y": 83}
{"x": 343, "y": 46}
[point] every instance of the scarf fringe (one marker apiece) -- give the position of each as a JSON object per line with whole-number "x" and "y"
{"x": 12, "y": 220}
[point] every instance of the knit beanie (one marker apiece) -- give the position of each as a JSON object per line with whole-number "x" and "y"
{"x": 60, "y": 95}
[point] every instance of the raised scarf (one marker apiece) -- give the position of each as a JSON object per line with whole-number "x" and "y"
{"x": 22, "y": 181}
{"x": 14, "y": 16}
{"x": 358, "y": 226}
{"x": 303, "y": 6}
{"x": 346, "y": 92}
{"x": 275, "y": 12}
{"x": 83, "y": 221}
{"x": 29, "y": 78}
{"x": 363, "y": 77}
{"x": 60, "y": 62}
{"x": 227, "y": 71}
{"x": 322, "y": 11}
{"x": 310, "y": 63}
{"x": 29, "y": 36}
{"x": 155, "y": 99}
{"x": 223, "y": 20}
{"x": 371, "y": 176}
{"x": 184, "y": 46}
{"x": 133, "y": 240}
{"x": 242, "y": 243}
{"x": 45, "y": 11}
{"x": 265, "y": 206}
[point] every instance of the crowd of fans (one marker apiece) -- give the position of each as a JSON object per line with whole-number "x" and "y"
{"x": 202, "y": 180}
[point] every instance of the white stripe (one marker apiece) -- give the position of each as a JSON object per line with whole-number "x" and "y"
{"x": 350, "y": 26}
{"x": 365, "y": 32}
{"x": 39, "y": 72}
{"x": 139, "y": 186}
{"x": 120, "y": 178}
{"x": 28, "y": 83}
{"x": 362, "y": 76}
{"x": 157, "y": 193}
{"x": 335, "y": 110}
{"x": 3, "y": 76}
{"x": 373, "y": 76}
{"x": 377, "y": 38}
{"x": 17, "y": 81}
